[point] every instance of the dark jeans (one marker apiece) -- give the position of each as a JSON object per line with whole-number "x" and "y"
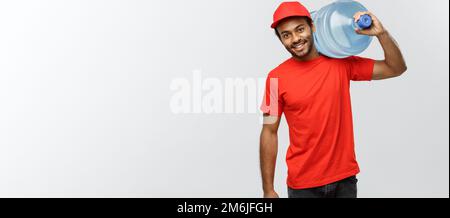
{"x": 346, "y": 188}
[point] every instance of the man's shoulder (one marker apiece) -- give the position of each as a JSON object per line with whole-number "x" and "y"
{"x": 345, "y": 61}
{"x": 354, "y": 59}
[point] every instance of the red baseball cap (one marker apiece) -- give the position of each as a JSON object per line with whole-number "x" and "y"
{"x": 289, "y": 9}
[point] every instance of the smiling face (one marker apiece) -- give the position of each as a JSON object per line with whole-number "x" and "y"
{"x": 296, "y": 34}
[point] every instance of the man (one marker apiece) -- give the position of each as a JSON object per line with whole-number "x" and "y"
{"x": 312, "y": 91}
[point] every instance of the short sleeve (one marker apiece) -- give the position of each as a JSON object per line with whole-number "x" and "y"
{"x": 272, "y": 103}
{"x": 360, "y": 69}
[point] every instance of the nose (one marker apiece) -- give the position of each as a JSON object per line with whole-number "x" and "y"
{"x": 296, "y": 37}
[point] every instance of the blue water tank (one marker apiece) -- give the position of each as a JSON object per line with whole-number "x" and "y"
{"x": 335, "y": 34}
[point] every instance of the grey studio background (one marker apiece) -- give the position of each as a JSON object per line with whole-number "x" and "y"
{"x": 85, "y": 99}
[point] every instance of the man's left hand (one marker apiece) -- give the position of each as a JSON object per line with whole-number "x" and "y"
{"x": 376, "y": 29}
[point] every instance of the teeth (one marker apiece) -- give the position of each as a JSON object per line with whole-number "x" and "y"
{"x": 299, "y": 45}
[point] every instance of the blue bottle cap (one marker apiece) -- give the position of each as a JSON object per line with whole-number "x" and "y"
{"x": 365, "y": 21}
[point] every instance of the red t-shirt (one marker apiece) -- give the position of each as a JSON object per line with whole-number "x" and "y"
{"x": 315, "y": 99}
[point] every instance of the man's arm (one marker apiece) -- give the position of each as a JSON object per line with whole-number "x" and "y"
{"x": 268, "y": 154}
{"x": 393, "y": 64}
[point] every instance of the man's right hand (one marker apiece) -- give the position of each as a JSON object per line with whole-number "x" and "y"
{"x": 271, "y": 194}
{"x": 268, "y": 155}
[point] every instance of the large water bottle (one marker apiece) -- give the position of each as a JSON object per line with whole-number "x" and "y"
{"x": 335, "y": 34}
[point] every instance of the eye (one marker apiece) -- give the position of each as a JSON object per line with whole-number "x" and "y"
{"x": 301, "y": 29}
{"x": 285, "y": 36}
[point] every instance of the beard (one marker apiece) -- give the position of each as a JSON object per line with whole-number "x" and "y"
{"x": 302, "y": 48}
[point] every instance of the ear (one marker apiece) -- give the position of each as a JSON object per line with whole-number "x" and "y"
{"x": 313, "y": 27}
